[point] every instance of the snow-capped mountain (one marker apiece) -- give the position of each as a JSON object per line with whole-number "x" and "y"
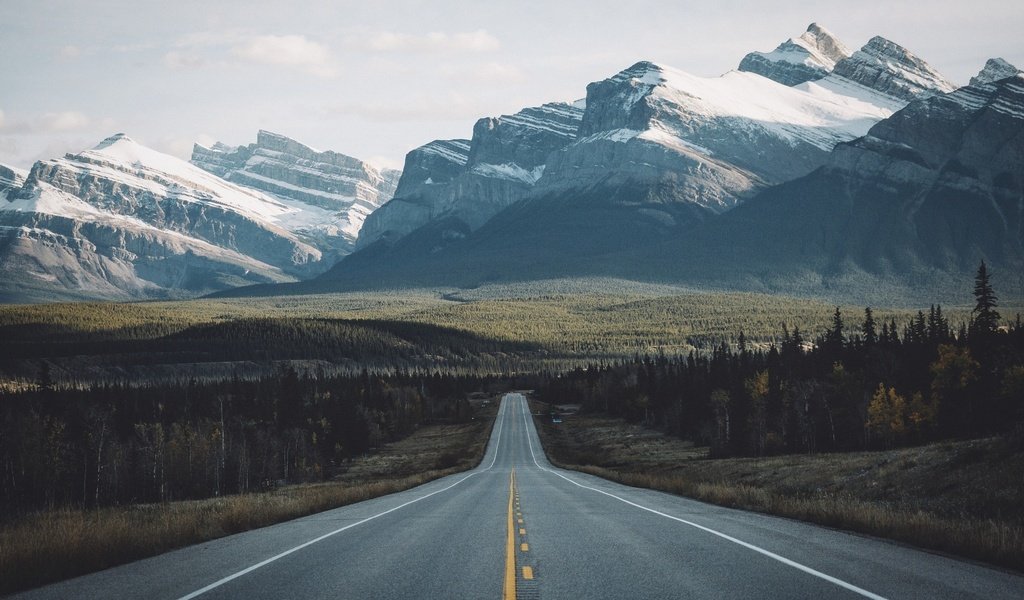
{"x": 887, "y": 67}
{"x": 468, "y": 182}
{"x": 833, "y": 186}
{"x": 708, "y": 140}
{"x": 994, "y": 70}
{"x": 123, "y": 221}
{"x": 655, "y": 136}
{"x": 811, "y": 56}
{"x": 916, "y": 203}
{"x": 337, "y": 192}
{"x": 11, "y": 177}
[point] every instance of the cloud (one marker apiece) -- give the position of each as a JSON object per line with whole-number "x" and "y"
{"x": 181, "y": 61}
{"x": 234, "y": 47}
{"x": 54, "y": 122}
{"x": 69, "y": 52}
{"x": 181, "y": 146}
{"x": 415, "y": 107}
{"x": 386, "y": 162}
{"x": 292, "y": 51}
{"x": 492, "y": 72}
{"x": 474, "y": 41}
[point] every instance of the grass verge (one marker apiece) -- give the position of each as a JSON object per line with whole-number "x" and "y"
{"x": 54, "y": 545}
{"x": 961, "y": 498}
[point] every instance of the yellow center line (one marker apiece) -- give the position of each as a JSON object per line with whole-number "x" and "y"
{"x": 509, "y": 590}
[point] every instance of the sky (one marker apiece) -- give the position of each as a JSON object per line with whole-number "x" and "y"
{"x": 376, "y": 78}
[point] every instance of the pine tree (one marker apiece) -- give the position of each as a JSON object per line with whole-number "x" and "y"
{"x": 835, "y": 335}
{"x": 985, "y": 318}
{"x": 868, "y": 328}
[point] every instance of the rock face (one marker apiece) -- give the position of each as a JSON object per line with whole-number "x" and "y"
{"x": 918, "y": 202}
{"x": 11, "y": 177}
{"x": 123, "y": 221}
{"x": 468, "y": 182}
{"x": 655, "y": 151}
{"x": 994, "y": 70}
{"x": 889, "y": 68}
{"x": 811, "y": 56}
{"x": 345, "y": 187}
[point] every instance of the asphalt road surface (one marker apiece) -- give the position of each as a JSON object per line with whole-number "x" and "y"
{"x": 518, "y": 527}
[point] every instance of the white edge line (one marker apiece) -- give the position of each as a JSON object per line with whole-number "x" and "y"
{"x": 769, "y": 554}
{"x": 266, "y": 562}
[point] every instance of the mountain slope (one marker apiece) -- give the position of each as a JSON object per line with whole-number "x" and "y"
{"x": 657, "y": 151}
{"x": 469, "y": 182}
{"x": 811, "y": 56}
{"x": 123, "y": 221}
{"x": 914, "y": 205}
{"x": 338, "y": 192}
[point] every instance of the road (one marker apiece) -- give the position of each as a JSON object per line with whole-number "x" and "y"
{"x": 518, "y": 527}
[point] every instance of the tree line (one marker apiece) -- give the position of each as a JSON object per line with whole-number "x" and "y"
{"x": 858, "y": 385}
{"x": 118, "y": 444}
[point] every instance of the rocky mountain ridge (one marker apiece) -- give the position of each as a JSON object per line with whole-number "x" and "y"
{"x": 811, "y": 56}
{"x": 284, "y": 168}
{"x": 469, "y": 181}
{"x": 122, "y": 221}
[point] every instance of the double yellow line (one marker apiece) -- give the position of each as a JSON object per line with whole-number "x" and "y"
{"x": 509, "y": 590}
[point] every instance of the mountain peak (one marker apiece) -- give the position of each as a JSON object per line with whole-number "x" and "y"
{"x": 994, "y": 70}
{"x": 888, "y": 67}
{"x": 829, "y": 48}
{"x": 117, "y": 138}
{"x": 811, "y": 56}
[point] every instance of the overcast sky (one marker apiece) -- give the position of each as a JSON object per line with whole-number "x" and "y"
{"x": 374, "y": 79}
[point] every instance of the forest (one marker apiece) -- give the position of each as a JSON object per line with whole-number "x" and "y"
{"x": 862, "y": 384}
{"x": 116, "y": 444}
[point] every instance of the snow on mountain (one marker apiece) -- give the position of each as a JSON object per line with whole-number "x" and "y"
{"x": 811, "y": 56}
{"x": 471, "y": 181}
{"x": 11, "y": 177}
{"x": 994, "y": 70}
{"x": 711, "y": 140}
{"x": 915, "y": 204}
{"x": 121, "y": 220}
{"x": 331, "y": 193}
{"x": 887, "y": 67}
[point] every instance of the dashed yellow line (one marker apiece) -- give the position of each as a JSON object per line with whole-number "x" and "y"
{"x": 524, "y": 547}
{"x": 509, "y": 589}
{"x": 522, "y": 531}
{"x": 527, "y": 572}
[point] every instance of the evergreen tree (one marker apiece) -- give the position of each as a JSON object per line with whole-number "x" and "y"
{"x": 868, "y": 328}
{"x": 985, "y": 318}
{"x": 834, "y": 337}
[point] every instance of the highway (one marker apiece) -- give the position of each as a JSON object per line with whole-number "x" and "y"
{"x": 516, "y": 527}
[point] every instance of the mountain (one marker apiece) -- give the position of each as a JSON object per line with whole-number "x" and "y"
{"x": 887, "y": 67}
{"x": 11, "y": 177}
{"x": 811, "y": 56}
{"x": 994, "y": 70}
{"x": 123, "y": 221}
{"x": 914, "y": 205}
{"x": 468, "y": 182}
{"x": 656, "y": 151}
{"x": 327, "y": 182}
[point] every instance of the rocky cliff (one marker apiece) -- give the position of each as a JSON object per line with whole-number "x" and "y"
{"x": 811, "y": 56}
{"x": 344, "y": 189}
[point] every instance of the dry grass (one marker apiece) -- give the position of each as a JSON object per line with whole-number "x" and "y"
{"x": 961, "y": 498}
{"x": 54, "y": 545}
